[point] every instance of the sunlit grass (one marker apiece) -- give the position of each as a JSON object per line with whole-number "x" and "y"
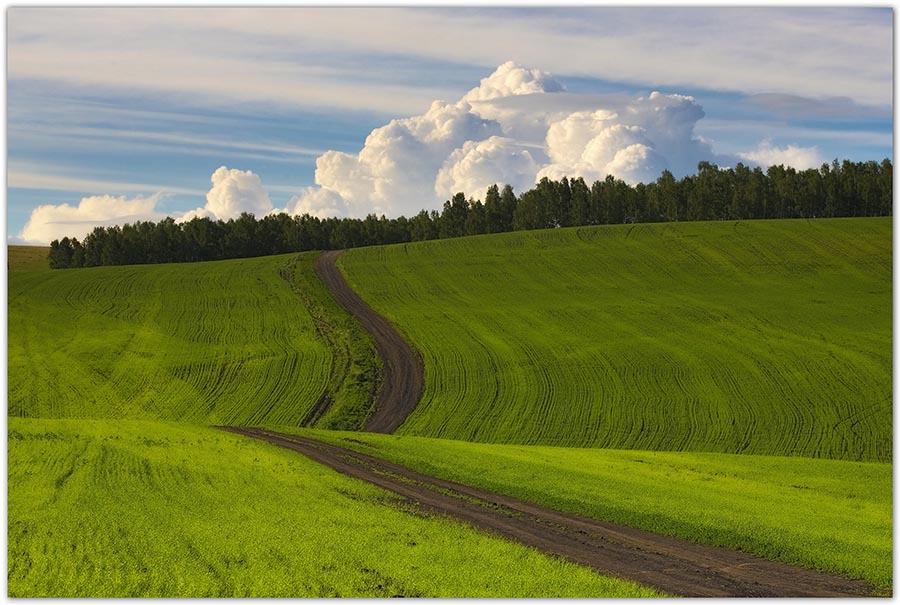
{"x": 230, "y": 342}
{"x": 831, "y": 515}
{"x": 761, "y": 337}
{"x": 129, "y": 508}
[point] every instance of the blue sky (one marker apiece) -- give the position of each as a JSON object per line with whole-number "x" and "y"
{"x": 123, "y": 104}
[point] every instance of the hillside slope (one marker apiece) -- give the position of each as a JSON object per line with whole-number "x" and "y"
{"x": 230, "y": 342}
{"x": 764, "y": 337}
{"x": 27, "y": 258}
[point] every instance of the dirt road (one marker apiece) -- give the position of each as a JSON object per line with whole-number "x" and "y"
{"x": 403, "y": 372}
{"x": 669, "y": 564}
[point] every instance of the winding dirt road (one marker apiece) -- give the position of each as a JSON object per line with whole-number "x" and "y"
{"x": 669, "y": 564}
{"x": 403, "y": 372}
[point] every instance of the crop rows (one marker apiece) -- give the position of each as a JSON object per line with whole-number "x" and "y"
{"x": 763, "y": 337}
{"x": 220, "y": 342}
{"x": 101, "y": 508}
{"x": 757, "y": 504}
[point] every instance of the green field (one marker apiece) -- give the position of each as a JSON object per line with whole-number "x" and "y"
{"x": 27, "y": 258}
{"x": 769, "y": 339}
{"x": 132, "y": 508}
{"x": 757, "y": 337}
{"x": 831, "y": 515}
{"x": 230, "y": 342}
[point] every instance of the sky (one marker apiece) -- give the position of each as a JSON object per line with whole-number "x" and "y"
{"x": 123, "y": 114}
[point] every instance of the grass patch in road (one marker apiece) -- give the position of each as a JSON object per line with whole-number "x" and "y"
{"x": 356, "y": 367}
{"x": 830, "y": 515}
{"x": 757, "y": 337}
{"x": 147, "y": 509}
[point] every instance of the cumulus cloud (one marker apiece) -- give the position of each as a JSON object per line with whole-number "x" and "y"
{"x": 233, "y": 192}
{"x": 50, "y": 222}
{"x": 511, "y": 79}
{"x": 479, "y": 164}
{"x": 800, "y": 158}
{"x": 517, "y": 126}
{"x": 318, "y": 202}
{"x": 395, "y": 171}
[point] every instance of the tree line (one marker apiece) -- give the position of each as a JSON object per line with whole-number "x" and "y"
{"x": 839, "y": 189}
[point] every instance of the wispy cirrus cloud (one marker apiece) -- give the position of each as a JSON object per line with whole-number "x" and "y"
{"x": 311, "y": 56}
{"x": 38, "y": 177}
{"x": 132, "y": 141}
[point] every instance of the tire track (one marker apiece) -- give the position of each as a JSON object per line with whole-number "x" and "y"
{"x": 669, "y": 564}
{"x": 403, "y": 373}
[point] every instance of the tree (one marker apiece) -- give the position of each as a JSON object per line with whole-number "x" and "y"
{"x": 453, "y": 218}
{"x": 422, "y": 227}
{"x": 61, "y": 252}
{"x": 579, "y": 210}
{"x": 493, "y": 210}
{"x": 531, "y": 212}
{"x": 476, "y": 220}
{"x": 508, "y": 203}
{"x": 669, "y": 203}
{"x": 837, "y": 189}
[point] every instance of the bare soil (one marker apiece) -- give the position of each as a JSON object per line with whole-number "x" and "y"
{"x": 672, "y": 565}
{"x": 403, "y": 372}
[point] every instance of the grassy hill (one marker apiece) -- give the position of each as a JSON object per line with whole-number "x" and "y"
{"x": 106, "y": 501}
{"x": 767, "y": 337}
{"x": 233, "y": 342}
{"x": 27, "y": 258}
{"x": 763, "y": 337}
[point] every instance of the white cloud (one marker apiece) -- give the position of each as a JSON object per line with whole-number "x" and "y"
{"x": 38, "y": 176}
{"x": 800, "y": 158}
{"x": 50, "y": 222}
{"x": 233, "y": 192}
{"x": 517, "y": 126}
{"x": 321, "y": 203}
{"x": 394, "y": 173}
{"x": 633, "y": 139}
{"x": 510, "y": 79}
{"x": 203, "y": 52}
{"x": 477, "y": 165}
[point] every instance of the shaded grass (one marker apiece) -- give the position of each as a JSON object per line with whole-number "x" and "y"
{"x": 759, "y": 337}
{"x": 27, "y": 258}
{"x": 829, "y": 515}
{"x": 129, "y": 508}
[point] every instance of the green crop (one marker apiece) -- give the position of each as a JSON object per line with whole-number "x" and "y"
{"x": 221, "y": 343}
{"x": 136, "y": 508}
{"x": 758, "y": 337}
{"x": 27, "y": 258}
{"x": 831, "y": 515}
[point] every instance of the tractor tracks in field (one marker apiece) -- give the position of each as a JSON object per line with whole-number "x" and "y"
{"x": 669, "y": 564}
{"x": 402, "y": 376}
